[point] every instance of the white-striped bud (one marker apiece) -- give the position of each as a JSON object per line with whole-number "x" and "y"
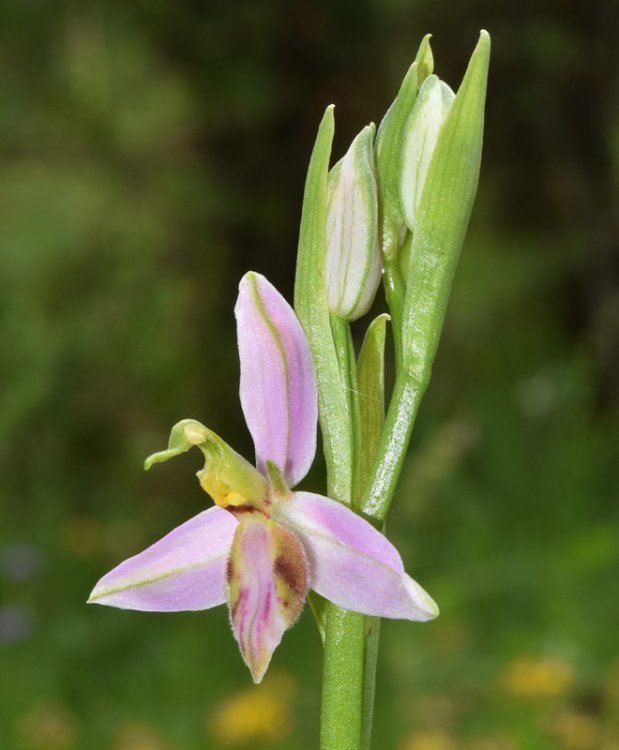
{"x": 352, "y": 263}
{"x": 421, "y": 133}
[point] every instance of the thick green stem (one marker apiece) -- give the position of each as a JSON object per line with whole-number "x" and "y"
{"x": 343, "y": 686}
{"x": 342, "y": 720}
{"x": 350, "y": 655}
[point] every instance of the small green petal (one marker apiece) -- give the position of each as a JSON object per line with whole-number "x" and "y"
{"x": 227, "y": 477}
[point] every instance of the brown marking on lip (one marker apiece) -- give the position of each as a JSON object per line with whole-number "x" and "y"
{"x": 242, "y": 595}
{"x": 240, "y": 510}
{"x": 294, "y": 576}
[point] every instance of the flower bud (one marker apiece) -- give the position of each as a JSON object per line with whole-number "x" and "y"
{"x": 446, "y": 200}
{"x": 352, "y": 261}
{"x": 420, "y": 136}
{"x": 389, "y": 161}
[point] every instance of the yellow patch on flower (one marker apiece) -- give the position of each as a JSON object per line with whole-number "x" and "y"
{"x": 258, "y": 714}
{"x": 538, "y": 678}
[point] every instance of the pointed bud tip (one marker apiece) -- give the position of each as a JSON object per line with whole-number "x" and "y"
{"x": 483, "y": 43}
{"x": 328, "y": 117}
{"x": 424, "y": 60}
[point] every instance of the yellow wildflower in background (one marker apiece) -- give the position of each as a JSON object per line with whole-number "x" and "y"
{"x": 498, "y": 742}
{"x": 136, "y": 736}
{"x": 49, "y": 729}
{"x": 256, "y": 714}
{"x": 537, "y": 678}
{"x": 576, "y": 731}
{"x": 430, "y": 740}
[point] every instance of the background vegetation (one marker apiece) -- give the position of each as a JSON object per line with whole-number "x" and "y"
{"x": 154, "y": 151}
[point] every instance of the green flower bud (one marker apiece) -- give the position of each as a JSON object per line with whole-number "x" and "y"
{"x": 421, "y": 133}
{"x": 441, "y": 221}
{"x": 389, "y": 151}
{"x": 352, "y": 261}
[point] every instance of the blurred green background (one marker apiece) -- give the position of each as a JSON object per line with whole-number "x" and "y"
{"x": 154, "y": 151}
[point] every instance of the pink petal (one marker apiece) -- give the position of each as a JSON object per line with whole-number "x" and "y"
{"x": 186, "y": 570}
{"x": 278, "y": 385}
{"x": 268, "y": 579}
{"x": 351, "y": 563}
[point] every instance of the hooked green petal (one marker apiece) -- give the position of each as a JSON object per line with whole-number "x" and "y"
{"x": 227, "y": 477}
{"x": 184, "y": 435}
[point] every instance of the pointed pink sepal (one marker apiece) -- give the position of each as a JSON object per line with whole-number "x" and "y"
{"x": 185, "y": 570}
{"x": 278, "y": 385}
{"x": 268, "y": 578}
{"x": 351, "y": 563}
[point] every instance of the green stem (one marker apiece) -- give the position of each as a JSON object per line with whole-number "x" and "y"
{"x": 343, "y": 688}
{"x": 372, "y": 641}
{"x": 350, "y": 657}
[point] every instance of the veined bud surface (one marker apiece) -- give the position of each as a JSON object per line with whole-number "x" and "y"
{"x": 353, "y": 265}
{"x": 421, "y": 133}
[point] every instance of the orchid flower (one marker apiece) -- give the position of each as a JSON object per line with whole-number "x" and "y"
{"x": 262, "y": 547}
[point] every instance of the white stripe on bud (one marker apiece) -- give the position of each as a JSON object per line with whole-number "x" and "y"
{"x": 420, "y": 136}
{"x": 352, "y": 262}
